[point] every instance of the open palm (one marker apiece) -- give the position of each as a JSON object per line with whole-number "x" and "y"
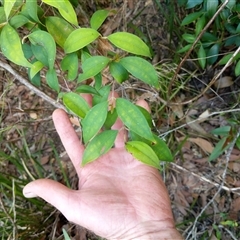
{"x": 118, "y": 196}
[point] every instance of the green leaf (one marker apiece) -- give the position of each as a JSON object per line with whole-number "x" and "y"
{"x": 99, "y": 146}
{"x": 40, "y": 54}
{"x": 76, "y": 104}
{"x": 104, "y": 93}
{"x": 65, "y": 9}
{"x": 70, "y": 64}
{"x": 86, "y": 89}
{"x": 212, "y": 54}
{"x": 222, "y": 131}
{"x": 53, "y": 25}
{"x": 147, "y": 115}
{"x": 94, "y": 120}
{"x": 142, "y": 152}
{"x": 219, "y": 149}
{"x": 98, "y": 18}
{"x": 141, "y": 69}
{"x": 2, "y": 16}
{"x": 111, "y": 119}
{"x": 193, "y": 3}
{"x": 32, "y": 9}
{"x": 52, "y": 80}
{"x": 237, "y": 69}
{"x": 133, "y": 118}
{"x": 36, "y": 80}
{"x": 189, "y": 37}
{"x": 65, "y": 234}
{"x": 129, "y": 43}
{"x": 225, "y": 59}
{"x": 45, "y": 40}
{"x": 185, "y": 48}
{"x": 92, "y": 66}
{"x": 11, "y": 46}
{"x": 8, "y": 5}
{"x": 202, "y": 57}
{"x": 80, "y": 38}
{"x": 119, "y": 73}
{"x": 200, "y": 24}
{"x": 191, "y": 18}
{"x": 18, "y": 21}
{"x": 211, "y": 7}
{"x": 36, "y": 67}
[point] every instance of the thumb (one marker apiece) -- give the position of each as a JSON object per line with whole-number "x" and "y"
{"x": 54, "y": 193}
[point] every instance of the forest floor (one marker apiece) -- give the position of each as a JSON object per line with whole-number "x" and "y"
{"x": 194, "y": 183}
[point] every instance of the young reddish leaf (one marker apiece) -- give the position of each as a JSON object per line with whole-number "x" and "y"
{"x": 94, "y": 120}
{"x": 119, "y": 73}
{"x": 53, "y": 25}
{"x": 80, "y": 38}
{"x": 98, "y": 18}
{"x": 142, "y": 152}
{"x": 52, "y": 79}
{"x": 65, "y": 9}
{"x": 99, "y": 146}
{"x": 11, "y": 46}
{"x": 70, "y": 64}
{"x": 76, "y": 104}
{"x": 46, "y": 41}
{"x": 92, "y": 66}
{"x": 141, "y": 69}
{"x": 129, "y": 43}
{"x": 202, "y": 57}
{"x": 133, "y": 118}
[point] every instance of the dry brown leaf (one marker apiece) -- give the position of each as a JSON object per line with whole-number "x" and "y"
{"x": 195, "y": 125}
{"x": 75, "y": 121}
{"x": 234, "y": 166}
{"x": 205, "y": 145}
{"x": 177, "y": 109}
{"x": 224, "y": 82}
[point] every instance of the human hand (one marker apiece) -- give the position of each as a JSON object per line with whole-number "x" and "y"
{"x": 118, "y": 198}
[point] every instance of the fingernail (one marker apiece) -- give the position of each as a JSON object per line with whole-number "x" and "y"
{"x": 28, "y": 194}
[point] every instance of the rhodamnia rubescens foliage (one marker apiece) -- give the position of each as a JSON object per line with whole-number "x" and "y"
{"x": 30, "y": 38}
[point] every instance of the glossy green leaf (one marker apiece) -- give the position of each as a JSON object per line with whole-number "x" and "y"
{"x": 18, "y": 21}
{"x": 40, "y": 53}
{"x": 11, "y": 46}
{"x": 94, "y": 120}
{"x": 213, "y": 54}
{"x": 99, "y": 146}
{"x": 70, "y": 64}
{"x": 76, "y": 104}
{"x": 52, "y": 79}
{"x": 119, "y": 73}
{"x": 141, "y": 69}
{"x": 8, "y": 5}
{"x": 189, "y": 37}
{"x": 53, "y": 25}
{"x": 129, "y": 43}
{"x": 32, "y": 9}
{"x": 200, "y": 24}
{"x": 36, "y": 67}
{"x": 191, "y": 18}
{"x": 98, "y": 18}
{"x": 133, "y": 118}
{"x": 142, "y": 152}
{"x": 202, "y": 57}
{"x": 92, "y": 66}
{"x": 86, "y": 89}
{"x": 80, "y": 38}
{"x": 237, "y": 69}
{"x": 111, "y": 118}
{"x": 45, "y": 40}
{"x": 65, "y": 9}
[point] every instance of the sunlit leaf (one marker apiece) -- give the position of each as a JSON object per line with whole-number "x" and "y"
{"x": 98, "y": 18}
{"x": 141, "y": 69}
{"x": 80, "y": 38}
{"x": 94, "y": 120}
{"x": 8, "y": 5}
{"x": 11, "y": 46}
{"x": 99, "y": 146}
{"x": 133, "y": 118}
{"x": 36, "y": 67}
{"x": 53, "y": 25}
{"x": 70, "y": 64}
{"x": 52, "y": 80}
{"x": 129, "y": 43}
{"x": 92, "y": 66}
{"x": 46, "y": 41}
{"x": 76, "y": 104}
{"x": 142, "y": 152}
{"x": 65, "y": 8}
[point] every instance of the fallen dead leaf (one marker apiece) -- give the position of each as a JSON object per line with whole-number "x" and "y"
{"x": 205, "y": 145}
{"x": 224, "y": 82}
{"x": 195, "y": 125}
{"x": 234, "y": 166}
